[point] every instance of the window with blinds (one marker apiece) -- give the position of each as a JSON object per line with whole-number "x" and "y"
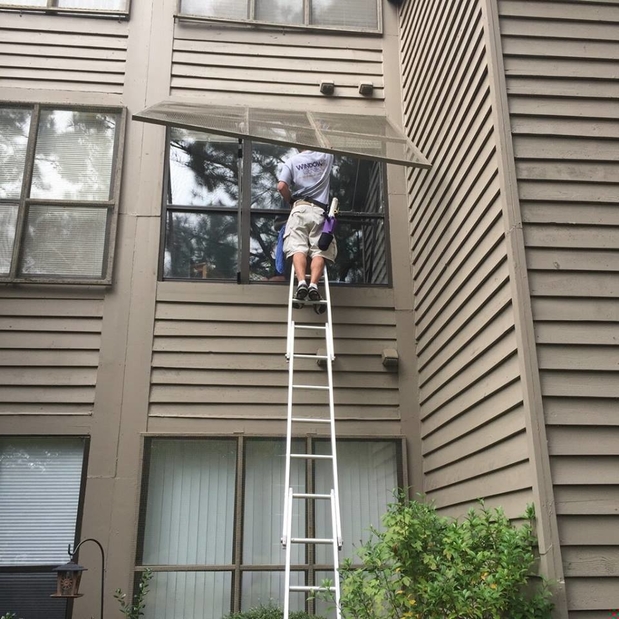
{"x": 212, "y": 517}
{"x": 40, "y": 483}
{"x": 118, "y": 8}
{"x": 357, "y": 15}
{"x": 59, "y": 193}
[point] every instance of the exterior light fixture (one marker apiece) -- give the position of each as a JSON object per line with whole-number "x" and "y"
{"x": 366, "y": 88}
{"x": 327, "y": 87}
{"x": 69, "y": 575}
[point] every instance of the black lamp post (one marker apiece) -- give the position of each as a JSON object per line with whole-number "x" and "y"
{"x": 70, "y": 574}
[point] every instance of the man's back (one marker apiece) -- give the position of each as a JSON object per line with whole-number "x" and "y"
{"x": 308, "y": 174}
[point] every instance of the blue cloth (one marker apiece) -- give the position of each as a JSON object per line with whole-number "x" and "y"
{"x": 280, "y": 259}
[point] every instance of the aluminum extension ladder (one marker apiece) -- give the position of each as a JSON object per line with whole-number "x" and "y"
{"x": 289, "y": 537}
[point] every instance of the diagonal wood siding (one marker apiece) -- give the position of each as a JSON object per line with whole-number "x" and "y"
{"x": 219, "y": 62}
{"x": 473, "y": 427}
{"x": 49, "y": 351}
{"x": 62, "y": 53}
{"x": 561, "y": 70}
{"x": 220, "y": 354}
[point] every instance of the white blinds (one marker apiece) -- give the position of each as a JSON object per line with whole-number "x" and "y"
{"x": 74, "y": 155}
{"x": 14, "y": 128}
{"x": 190, "y": 508}
{"x": 40, "y": 481}
{"x": 367, "y": 478}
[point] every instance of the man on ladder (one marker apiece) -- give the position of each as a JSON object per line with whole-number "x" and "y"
{"x": 304, "y": 183}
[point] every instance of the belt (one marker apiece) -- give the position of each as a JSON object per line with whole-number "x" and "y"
{"x": 312, "y": 201}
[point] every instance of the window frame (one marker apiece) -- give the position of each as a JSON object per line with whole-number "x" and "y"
{"x": 244, "y": 213}
{"x": 47, "y": 568}
{"x": 236, "y": 567}
{"x": 24, "y": 201}
{"x": 306, "y": 26}
{"x": 50, "y": 9}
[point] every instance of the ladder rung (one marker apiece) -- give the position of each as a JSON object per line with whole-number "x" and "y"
{"x": 312, "y": 456}
{"x": 305, "y": 495}
{"x": 299, "y": 356}
{"x": 319, "y": 327}
{"x": 310, "y": 420}
{"x": 321, "y": 387}
{"x": 310, "y": 588}
{"x": 311, "y": 540}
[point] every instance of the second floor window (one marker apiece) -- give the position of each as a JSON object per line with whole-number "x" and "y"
{"x": 363, "y": 15}
{"x": 223, "y": 212}
{"x": 59, "y": 190}
{"x": 102, "y": 7}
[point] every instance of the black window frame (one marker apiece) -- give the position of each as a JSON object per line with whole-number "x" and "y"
{"x": 244, "y": 213}
{"x": 237, "y": 567}
{"x": 47, "y": 568}
{"x": 24, "y": 200}
{"x": 52, "y": 9}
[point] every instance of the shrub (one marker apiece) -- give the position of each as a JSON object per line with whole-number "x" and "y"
{"x": 269, "y": 612}
{"x": 424, "y": 566}
{"x": 135, "y": 610}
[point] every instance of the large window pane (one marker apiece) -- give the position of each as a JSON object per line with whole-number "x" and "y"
{"x": 203, "y": 170}
{"x": 40, "y": 480}
{"x": 267, "y": 589}
{"x": 14, "y": 128}
{"x": 110, "y": 5}
{"x": 345, "y": 13}
{"x": 367, "y": 478}
{"x": 265, "y": 164}
{"x": 201, "y": 245}
{"x": 361, "y": 252}
{"x": 8, "y": 220}
{"x": 264, "y": 501}
{"x": 280, "y": 11}
{"x": 189, "y": 595}
{"x": 264, "y": 236}
{"x": 228, "y": 9}
{"x": 28, "y": 595}
{"x": 190, "y": 509}
{"x": 74, "y": 155}
{"x": 64, "y": 241}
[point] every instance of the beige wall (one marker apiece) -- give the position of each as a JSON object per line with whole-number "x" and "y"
{"x": 560, "y": 62}
{"x": 186, "y": 358}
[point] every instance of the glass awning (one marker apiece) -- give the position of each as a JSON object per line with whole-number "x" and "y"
{"x": 359, "y": 135}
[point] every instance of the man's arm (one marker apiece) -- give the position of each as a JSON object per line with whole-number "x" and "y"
{"x": 284, "y": 190}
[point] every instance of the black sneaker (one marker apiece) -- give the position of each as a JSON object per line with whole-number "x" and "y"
{"x": 314, "y": 296}
{"x": 300, "y": 294}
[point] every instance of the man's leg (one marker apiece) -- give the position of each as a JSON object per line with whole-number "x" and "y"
{"x": 299, "y": 262}
{"x": 316, "y": 267}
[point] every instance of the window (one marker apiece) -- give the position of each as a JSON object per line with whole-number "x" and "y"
{"x": 40, "y": 487}
{"x": 103, "y": 7}
{"x": 212, "y": 518}
{"x": 223, "y": 212}
{"x": 59, "y": 190}
{"x": 362, "y": 15}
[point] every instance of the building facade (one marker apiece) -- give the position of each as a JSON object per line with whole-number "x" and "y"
{"x": 144, "y": 323}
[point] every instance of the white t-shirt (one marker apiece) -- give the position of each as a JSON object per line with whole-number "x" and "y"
{"x": 308, "y": 175}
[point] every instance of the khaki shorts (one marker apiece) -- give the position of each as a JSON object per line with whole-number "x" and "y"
{"x": 303, "y": 230}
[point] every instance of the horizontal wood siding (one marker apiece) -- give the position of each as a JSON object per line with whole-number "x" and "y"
{"x": 561, "y": 70}
{"x": 62, "y": 53}
{"x": 220, "y": 354}
{"x": 270, "y": 65}
{"x": 49, "y": 351}
{"x": 473, "y": 426}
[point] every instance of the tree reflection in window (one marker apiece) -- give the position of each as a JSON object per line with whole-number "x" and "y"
{"x": 208, "y": 220}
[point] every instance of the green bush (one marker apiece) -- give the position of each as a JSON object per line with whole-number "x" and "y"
{"x": 425, "y": 566}
{"x": 268, "y": 612}
{"x": 135, "y": 609}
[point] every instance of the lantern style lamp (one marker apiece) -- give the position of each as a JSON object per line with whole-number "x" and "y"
{"x": 68, "y": 581}
{"x": 70, "y": 574}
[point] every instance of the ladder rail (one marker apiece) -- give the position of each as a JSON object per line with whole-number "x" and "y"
{"x": 290, "y": 495}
